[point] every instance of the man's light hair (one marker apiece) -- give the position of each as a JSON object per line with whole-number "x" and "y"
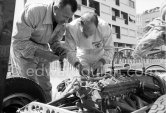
{"x": 90, "y": 17}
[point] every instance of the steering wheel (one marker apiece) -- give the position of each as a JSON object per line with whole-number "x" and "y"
{"x": 160, "y": 70}
{"x": 117, "y": 55}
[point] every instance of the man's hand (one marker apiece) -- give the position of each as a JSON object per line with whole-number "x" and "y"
{"x": 47, "y": 55}
{"x": 97, "y": 65}
{"x": 83, "y": 70}
{"x": 61, "y": 52}
{"x": 154, "y": 38}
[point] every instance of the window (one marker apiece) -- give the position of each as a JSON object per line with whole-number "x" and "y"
{"x": 129, "y": 45}
{"x": 115, "y": 13}
{"x": 131, "y": 4}
{"x": 117, "y": 2}
{"x": 120, "y": 45}
{"x": 84, "y": 2}
{"x": 115, "y": 44}
{"x": 95, "y": 5}
{"x": 116, "y": 29}
{"x": 114, "y": 18}
{"x": 125, "y": 17}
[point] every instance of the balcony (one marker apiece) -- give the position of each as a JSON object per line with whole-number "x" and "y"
{"x": 124, "y": 39}
{"x": 120, "y": 20}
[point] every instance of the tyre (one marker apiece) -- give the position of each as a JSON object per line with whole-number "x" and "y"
{"x": 159, "y": 106}
{"x": 19, "y": 92}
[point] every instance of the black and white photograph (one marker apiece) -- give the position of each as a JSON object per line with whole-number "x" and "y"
{"x": 82, "y": 56}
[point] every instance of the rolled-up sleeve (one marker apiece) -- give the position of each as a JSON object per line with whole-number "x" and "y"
{"x": 154, "y": 38}
{"x": 57, "y": 37}
{"x": 70, "y": 43}
{"x": 108, "y": 45}
{"x": 22, "y": 33}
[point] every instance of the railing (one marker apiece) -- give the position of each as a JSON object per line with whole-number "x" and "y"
{"x": 139, "y": 63}
{"x": 121, "y": 62}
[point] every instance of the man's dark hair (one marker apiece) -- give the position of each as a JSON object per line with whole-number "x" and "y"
{"x": 72, "y": 3}
{"x": 90, "y": 17}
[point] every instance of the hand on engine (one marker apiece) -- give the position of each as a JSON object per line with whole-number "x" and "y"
{"x": 48, "y": 56}
{"x": 97, "y": 65}
{"x": 61, "y": 52}
{"x": 84, "y": 71}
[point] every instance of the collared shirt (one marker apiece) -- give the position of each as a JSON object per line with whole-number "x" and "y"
{"x": 91, "y": 49}
{"x": 34, "y": 29}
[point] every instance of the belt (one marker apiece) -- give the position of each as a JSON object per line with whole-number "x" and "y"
{"x": 36, "y": 42}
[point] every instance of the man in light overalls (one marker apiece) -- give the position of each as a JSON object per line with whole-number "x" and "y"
{"x": 40, "y": 28}
{"x": 90, "y": 46}
{"x": 89, "y": 41}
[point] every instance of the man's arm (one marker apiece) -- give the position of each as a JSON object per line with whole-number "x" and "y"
{"x": 153, "y": 37}
{"x": 57, "y": 37}
{"x": 71, "y": 45}
{"x": 108, "y": 46}
{"x": 21, "y": 36}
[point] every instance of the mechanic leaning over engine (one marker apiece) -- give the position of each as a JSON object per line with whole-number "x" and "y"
{"x": 89, "y": 41}
{"x": 36, "y": 39}
{"x": 154, "y": 35}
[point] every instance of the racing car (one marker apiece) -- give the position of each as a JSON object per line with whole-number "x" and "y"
{"x": 117, "y": 91}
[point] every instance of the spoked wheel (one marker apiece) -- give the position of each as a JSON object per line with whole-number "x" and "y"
{"x": 19, "y": 92}
{"x": 117, "y": 56}
{"x": 155, "y": 68}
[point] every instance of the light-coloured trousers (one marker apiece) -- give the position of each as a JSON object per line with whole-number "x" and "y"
{"x": 36, "y": 71}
